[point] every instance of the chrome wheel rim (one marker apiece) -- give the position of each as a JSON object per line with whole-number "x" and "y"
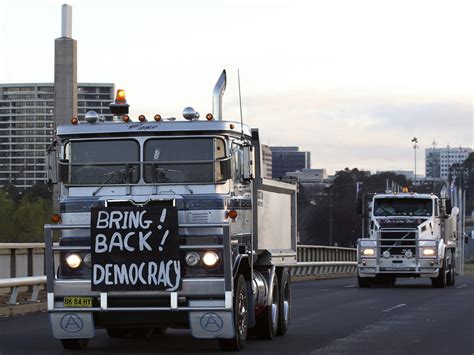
{"x": 242, "y": 309}
{"x": 274, "y": 308}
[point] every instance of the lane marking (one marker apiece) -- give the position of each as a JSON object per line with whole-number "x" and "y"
{"x": 325, "y": 289}
{"x": 462, "y": 286}
{"x": 401, "y": 305}
{"x": 350, "y": 286}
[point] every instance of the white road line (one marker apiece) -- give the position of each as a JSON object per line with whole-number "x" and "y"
{"x": 350, "y": 286}
{"x": 401, "y": 305}
{"x": 462, "y": 286}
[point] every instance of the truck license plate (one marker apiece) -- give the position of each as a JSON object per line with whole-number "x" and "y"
{"x": 78, "y": 302}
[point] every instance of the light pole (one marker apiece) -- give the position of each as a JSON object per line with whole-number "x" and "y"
{"x": 415, "y": 147}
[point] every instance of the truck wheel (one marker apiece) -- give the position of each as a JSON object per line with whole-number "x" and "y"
{"x": 267, "y": 322}
{"x": 240, "y": 318}
{"x": 365, "y": 282}
{"x": 75, "y": 344}
{"x": 441, "y": 280}
{"x": 451, "y": 278}
{"x": 284, "y": 307}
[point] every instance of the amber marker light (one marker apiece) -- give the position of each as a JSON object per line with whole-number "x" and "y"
{"x": 232, "y": 214}
{"x": 157, "y": 118}
{"x": 55, "y": 218}
{"x": 126, "y": 118}
{"x": 209, "y": 117}
{"x": 120, "y": 97}
{"x": 232, "y": 126}
{"x": 142, "y": 118}
{"x": 74, "y": 120}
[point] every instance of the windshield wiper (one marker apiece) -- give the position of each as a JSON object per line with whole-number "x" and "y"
{"x": 112, "y": 174}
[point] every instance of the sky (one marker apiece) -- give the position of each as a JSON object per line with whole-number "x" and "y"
{"x": 351, "y": 81}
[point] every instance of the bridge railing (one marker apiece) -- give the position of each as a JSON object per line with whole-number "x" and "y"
{"x": 22, "y": 265}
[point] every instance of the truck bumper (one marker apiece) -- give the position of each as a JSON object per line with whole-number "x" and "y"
{"x": 405, "y": 268}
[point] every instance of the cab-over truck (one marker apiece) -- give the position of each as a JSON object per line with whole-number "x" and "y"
{"x": 167, "y": 223}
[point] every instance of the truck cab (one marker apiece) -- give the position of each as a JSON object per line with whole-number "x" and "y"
{"x": 410, "y": 235}
{"x": 167, "y": 223}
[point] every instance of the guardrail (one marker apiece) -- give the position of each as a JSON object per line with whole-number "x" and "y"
{"x": 22, "y": 265}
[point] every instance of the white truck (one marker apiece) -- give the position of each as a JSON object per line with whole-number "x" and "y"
{"x": 167, "y": 224}
{"x": 410, "y": 235}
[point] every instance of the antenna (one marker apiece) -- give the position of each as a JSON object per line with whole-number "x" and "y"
{"x": 240, "y": 103}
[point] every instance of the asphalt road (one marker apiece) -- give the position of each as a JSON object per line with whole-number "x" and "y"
{"x": 328, "y": 317}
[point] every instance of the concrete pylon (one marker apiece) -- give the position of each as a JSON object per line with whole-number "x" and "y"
{"x": 65, "y": 80}
{"x": 65, "y": 71}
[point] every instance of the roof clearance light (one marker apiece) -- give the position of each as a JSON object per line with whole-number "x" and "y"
{"x": 74, "y": 120}
{"x": 126, "y": 118}
{"x": 405, "y": 189}
{"x": 142, "y": 118}
{"x": 157, "y": 117}
{"x": 209, "y": 117}
{"x": 120, "y": 97}
{"x": 232, "y": 126}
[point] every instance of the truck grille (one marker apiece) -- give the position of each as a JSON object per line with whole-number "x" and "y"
{"x": 398, "y": 242}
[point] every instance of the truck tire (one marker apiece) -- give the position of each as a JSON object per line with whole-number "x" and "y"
{"x": 284, "y": 308}
{"x": 240, "y": 318}
{"x": 75, "y": 344}
{"x": 451, "y": 278}
{"x": 365, "y": 282}
{"x": 441, "y": 280}
{"x": 267, "y": 322}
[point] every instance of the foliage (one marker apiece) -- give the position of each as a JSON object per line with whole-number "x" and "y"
{"x": 327, "y": 214}
{"x": 23, "y": 213}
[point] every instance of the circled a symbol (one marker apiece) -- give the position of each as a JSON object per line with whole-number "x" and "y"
{"x": 71, "y": 323}
{"x": 211, "y": 322}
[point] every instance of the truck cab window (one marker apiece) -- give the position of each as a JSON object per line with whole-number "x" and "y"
{"x": 102, "y": 162}
{"x": 184, "y": 160}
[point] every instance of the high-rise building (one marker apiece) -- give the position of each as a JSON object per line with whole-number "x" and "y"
{"x": 439, "y": 160}
{"x": 287, "y": 159}
{"x": 266, "y": 162}
{"x": 27, "y": 126}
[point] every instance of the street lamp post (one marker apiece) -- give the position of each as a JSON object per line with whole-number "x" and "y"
{"x": 415, "y": 147}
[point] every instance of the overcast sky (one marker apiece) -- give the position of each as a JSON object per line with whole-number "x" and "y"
{"x": 351, "y": 81}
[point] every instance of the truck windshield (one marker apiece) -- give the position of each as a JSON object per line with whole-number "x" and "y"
{"x": 403, "y": 207}
{"x": 185, "y": 160}
{"x": 101, "y": 162}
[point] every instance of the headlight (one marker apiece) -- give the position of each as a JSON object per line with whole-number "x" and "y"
{"x": 368, "y": 252}
{"x": 192, "y": 258}
{"x": 386, "y": 254}
{"x": 210, "y": 258}
{"x": 429, "y": 252}
{"x": 73, "y": 260}
{"x": 408, "y": 254}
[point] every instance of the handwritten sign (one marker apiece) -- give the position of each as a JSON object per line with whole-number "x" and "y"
{"x": 135, "y": 249}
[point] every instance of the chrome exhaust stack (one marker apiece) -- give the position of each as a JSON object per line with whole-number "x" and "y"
{"x": 217, "y": 94}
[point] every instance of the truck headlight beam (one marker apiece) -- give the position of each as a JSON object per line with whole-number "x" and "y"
{"x": 73, "y": 260}
{"x": 210, "y": 258}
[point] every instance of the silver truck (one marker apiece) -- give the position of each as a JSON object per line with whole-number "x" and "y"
{"x": 167, "y": 223}
{"x": 410, "y": 235}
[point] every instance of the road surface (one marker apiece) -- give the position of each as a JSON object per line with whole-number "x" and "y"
{"x": 328, "y": 317}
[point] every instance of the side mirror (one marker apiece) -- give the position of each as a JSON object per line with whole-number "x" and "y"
{"x": 247, "y": 162}
{"x": 448, "y": 206}
{"x": 52, "y": 172}
{"x": 63, "y": 171}
{"x": 454, "y": 211}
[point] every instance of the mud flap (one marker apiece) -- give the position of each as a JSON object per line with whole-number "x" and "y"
{"x": 211, "y": 324}
{"x": 70, "y": 325}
